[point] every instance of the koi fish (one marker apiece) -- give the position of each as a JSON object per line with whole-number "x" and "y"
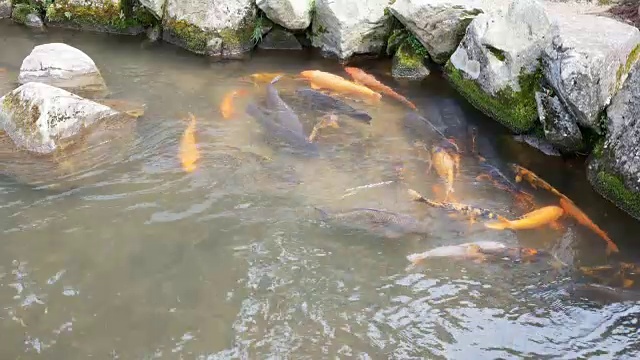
{"x": 327, "y": 103}
{"x": 323, "y": 80}
{"x": 368, "y": 80}
{"x": 472, "y": 250}
{"x": 603, "y": 294}
{"x": 326, "y": 121}
{"x": 189, "y": 153}
{"x": 285, "y": 116}
{"x": 571, "y": 209}
{"x": 619, "y": 272}
{"x": 226, "y": 106}
{"x": 467, "y": 210}
{"x": 445, "y": 166}
{"x": 534, "y": 180}
{"x": 382, "y": 222}
{"x": 261, "y": 78}
{"x": 501, "y": 182}
{"x": 543, "y": 216}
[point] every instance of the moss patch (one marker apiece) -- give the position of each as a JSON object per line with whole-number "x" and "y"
{"x": 408, "y": 57}
{"x": 626, "y": 67}
{"x": 188, "y": 36}
{"x": 24, "y": 117}
{"x": 515, "y": 110}
{"x": 612, "y": 187}
{"x": 125, "y": 17}
{"x": 20, "y": 12}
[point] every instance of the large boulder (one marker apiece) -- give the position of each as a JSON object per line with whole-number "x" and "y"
{"x": 588, "y": 62}
{"x": 496, "y": 66}
{"x": 614, "y": 167}
{"x": 211, "y": 27}
{"x": 290, "y": 14}
{"x": 346, "y": 27}
{"x": 440, "y": 25}
{"x": 155, "y": 7}
{"x": 62, "y": 66}
{"x": 112, "y": 16}
{"x": 5, "y": 9}
{"x": 558, "y": 125}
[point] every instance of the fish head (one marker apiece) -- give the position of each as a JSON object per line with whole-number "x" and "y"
{"x": 351, "y": 70}
{"x": 308, "y": 74}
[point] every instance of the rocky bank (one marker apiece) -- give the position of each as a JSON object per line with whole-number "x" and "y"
{"x": 562, "y": 71}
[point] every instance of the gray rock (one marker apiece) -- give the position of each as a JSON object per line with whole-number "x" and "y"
{"x": 346, "y": 27}
{"x": 290, "y": 14}
{"x": 155, "y": 7}
{"x": 409, "y": 65}
{"x": 194, "y": 24}
{"x": 537, "y": 143}
{"x": 279, "y": 39}
{"x": 438, "y": 24}
{"x": 588, "y": 61}
{"x": 62, "y": 66}
{"x": 33, "y": 20}
{"x": 5, "y": 9}
{"x": 154, "y": 33}
{"x": 39, "y": 117}
{"x": 559, "y": 126}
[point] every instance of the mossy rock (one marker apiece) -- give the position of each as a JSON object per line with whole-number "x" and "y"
{"x": 126, "y": 17}
{"x": 408, "y": 64}
{"x": 516, "y": 110}
{"x": 610, "y": 185}
{"x": 21, "y": 11}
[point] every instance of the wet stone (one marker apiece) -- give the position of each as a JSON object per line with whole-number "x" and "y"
{"x": 280, "y": 39}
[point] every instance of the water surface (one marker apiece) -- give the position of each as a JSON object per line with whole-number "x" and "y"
{"x": 143, "y": 260}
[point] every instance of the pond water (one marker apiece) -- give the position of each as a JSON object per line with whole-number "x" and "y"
{"x": 143, "y": 260}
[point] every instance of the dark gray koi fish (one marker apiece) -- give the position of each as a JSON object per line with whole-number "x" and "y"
{"x": 386, "y": 223}
{"x": 327, "y": 103}
{"x": 284, "y": 115}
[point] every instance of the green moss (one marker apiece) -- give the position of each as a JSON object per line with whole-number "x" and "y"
{"x": 110, "y": 17}
{"x": 20, "y": 12}
{"x": 408, "y": 57}
{"x": 624, "y": 69}
{"x": 499, "y": 54}
{"x": 515, "y": 110}
{"x": 598, "y": 148}
{"x": 612, "y": 187}
{"x": 191, "y": 36}
{"x": 25, "y": 117}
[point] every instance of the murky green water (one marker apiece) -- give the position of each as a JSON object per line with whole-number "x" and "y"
{"x": 145, "y": 261}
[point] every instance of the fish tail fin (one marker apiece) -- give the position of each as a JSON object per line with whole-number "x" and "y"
{"x": 324, "y": 215}
{"x": 416, "y": 258}
{"x": 276, "y": 79}
{"x": 612, "y": 248}
{"x": 415, "y": 196}
{"x": 501, "y": 224}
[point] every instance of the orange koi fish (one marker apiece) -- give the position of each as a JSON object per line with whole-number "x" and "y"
{"x": 226, "y": 106}
{"x": 329, "y": 120}
{"x": 471, "y": 211}
{"x": 572, "y": 210}
{"x": 534, "y": 180}
{"x": 324, "y": 80}
{"x": 262, "y": 78}
{"x": 368, "y": 80}
{"x": 543, "y": 216}
{"x": 445, "y": 166}
{"x": 189, "y": 153}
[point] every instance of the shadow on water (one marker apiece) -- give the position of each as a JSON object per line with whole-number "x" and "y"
{"x": 141, "y": 260}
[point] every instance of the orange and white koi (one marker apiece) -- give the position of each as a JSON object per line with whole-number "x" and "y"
{"x": 543, "y": 216}
{"x": 368, "y": 80}
{"x": 189, "y": 153}
{"x": 226, "y": 106}
{"x": 572, "y": 210}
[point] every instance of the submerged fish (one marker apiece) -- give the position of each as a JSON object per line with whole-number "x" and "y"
{"x": 324, "y": 80}
{"x": 500, "y": 181}
{"x": 284, "y": 115}
{"x": 534, "y": 180}
{"x": 572, "y": 210}
{"x": 543, "y": 216}
{"x": 383, "y": 222}
{"x": 603, "y": 294}
{"x": 618, "y": 272}
{"x": 420, "y": 127}
{"x": 323, "y": 102}
{"x": 295, "y": 140}
{"x": 467, "y": 210}
{"x": 446, "y": 166}
{"x": 368, "y": 80}
{"x": 189, "y": 153}
{"x": 226, "y": 106}
{"x": 329, "y": 120}
{"x": 263, "y": 77}
{"x": 537, "y": 143}
{"x": 472, "y": 250}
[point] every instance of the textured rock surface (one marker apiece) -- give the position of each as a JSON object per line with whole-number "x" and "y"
{"x": 614, "y": 169}
{"x": 408, "y": 64}
{"x": 345, "y": 27}
{"x": 5, "y": 9}
{"x": 438, "y": 24}
{"x": 39, "y": 117}
{"x": 112, "y": 16}
{"x": 589, "y": 61}
{"x": 155, "y": 7}
{"x": 280, "y": 39}
{"x": 211, "y": 27}
{"x": 496, "y": 63}
{"x": 62, "y": 66}
{"x": 559, "y": 126}
{"x": 33, "y": 20}
{"x": 291, "y": 14}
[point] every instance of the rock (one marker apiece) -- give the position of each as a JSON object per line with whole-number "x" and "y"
{"x": 155, "y": 7}
{"x": 279, "y": 39}
{"x": 290, "y": 14}
{"x": 496, "y": 65}
{"x": 33, "y": 20}
{"x": 39, "y": 117}
{"x": 614, "y": 167}
{"x": 154, "y": 33}
{"x": 211, "y": 27}
{"x": 5, "y": 9}
{"x": 345, "y": 27}
{"x": 62, "y": 66}
{"x": 588, "y": 61}
{"x": 537, "y": 143}
{"x": 21, "y": 11}
{"x": 559, "y": 126}
{"x": 408, "y": 64}
{"x": 439, "y": 24}
{"x": 111, "y": 16}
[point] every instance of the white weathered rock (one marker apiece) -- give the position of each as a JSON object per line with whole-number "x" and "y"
{"x": 5, "y": 9}
{"x": 196, "y": 25}
{"x": 62, "y": 66}
{"x": 346, "y": 27}
{"x": 438, "y": 24}
{"x": 588, "y": 61}
{"x": 33, "y": 20}
{"x": 155, "y": 7}
{"x": 290, "y": 14}
{"x": 38, "y": 117}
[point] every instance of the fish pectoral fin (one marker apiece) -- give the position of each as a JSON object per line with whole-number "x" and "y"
{"x": 627, "y": 283}
{"x": 483, "y": 177}
{"x": 555, "y": 225}
{"x": 314, "y": 86}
